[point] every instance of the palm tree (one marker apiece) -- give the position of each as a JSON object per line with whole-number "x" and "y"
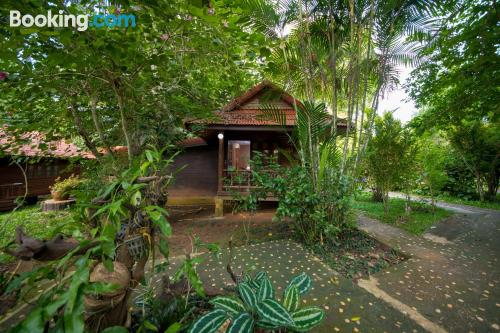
{"x": 342, "y": 53}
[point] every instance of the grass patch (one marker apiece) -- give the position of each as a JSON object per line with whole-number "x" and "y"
{"x": 38, "y": 224}
{"x": 475, "y": 203}
{"x": 419, "y": 220}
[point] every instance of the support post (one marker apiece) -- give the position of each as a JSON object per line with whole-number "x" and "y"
{"x": 220, "y": 168}
{"x": 219, "y": 207}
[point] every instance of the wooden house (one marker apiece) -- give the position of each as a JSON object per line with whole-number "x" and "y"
{"x": 40, "y": 163}
{"x": 227, "y": 143}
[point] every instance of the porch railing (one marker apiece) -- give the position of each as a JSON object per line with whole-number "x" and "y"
{"x": 239, "y": 180}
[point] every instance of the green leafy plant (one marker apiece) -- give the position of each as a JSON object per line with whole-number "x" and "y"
{"x": 256, "y": 308}
{"x": 317, "y": 212}
{"x": 134, "y": 199}
{"x": 389, "y": 157}
{"x": 62, "y": 188}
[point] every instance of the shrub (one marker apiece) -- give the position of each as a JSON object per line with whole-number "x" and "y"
{"x": 317, "y": 211}
{"x": 62, "y": 188}
{"x": 257, "y": 308}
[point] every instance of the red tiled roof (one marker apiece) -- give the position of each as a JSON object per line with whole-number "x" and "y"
{"x": 251, "y": 117}
{"x": 247, "y": 96}
{"x": 241, "y": 112}
{"x": 33, "y": 144}
{"x": 235, "y": 114}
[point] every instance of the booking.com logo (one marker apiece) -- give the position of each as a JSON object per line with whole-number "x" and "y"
{"x": 80, "y": 22}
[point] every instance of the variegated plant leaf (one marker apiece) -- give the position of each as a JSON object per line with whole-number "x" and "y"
{"x": 243, "y": 323}
{"x": 210, "y": 322}
{"x": 272, "y": 312}
{"x": 231, "y": 305}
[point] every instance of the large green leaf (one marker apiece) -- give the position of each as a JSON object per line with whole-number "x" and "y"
{"x": 273, "y": 312}
{"x": 266, "y": 289}
{"x": 303, "y": 283}
{"x": 267, "y": 325}
{"x": 210, "y": 322}
{"x": 164, "y": 226}
{"x": 243, "y": 323}
{"x": 260, "y": 275}
{"x": 174, "y": 328}
{"x": 228, "y": 304}
{"x": 247, "y": 295}
{"x": 291, "y": 298}
{"x": 307, "y": 318}
{"x": 255, "y": 282}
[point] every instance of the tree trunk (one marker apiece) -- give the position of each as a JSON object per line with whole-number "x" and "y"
{"x": 83, "y": 133}
{"x": 493, "y": 180}
{"x": 479, "y": 185}
{"x": 356, "y": 91}
{"x": 365, "y": 84}
{"x": 386, "y": 202}
{"x": 377, "y": 194}
{"x": 433, "y": 202}
{"x": 126, "y": 134}
{"x": 25, "y": 177}
{"x": 334, "y": 74}
{"x": 491, "y": 194}
{"x": 407, "y": 203}
{"x": 350, "y": 90}
{"x": 97, "y": 125}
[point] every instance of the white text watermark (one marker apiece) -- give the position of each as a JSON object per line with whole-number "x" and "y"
{"x": 62, "y": 20}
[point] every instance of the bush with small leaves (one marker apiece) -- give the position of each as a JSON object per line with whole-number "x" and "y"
{"x": 256, "y": 308}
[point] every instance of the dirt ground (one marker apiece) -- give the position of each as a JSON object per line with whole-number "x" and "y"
{"x": 187, "y": 223}
{"x": 355, "y": 256}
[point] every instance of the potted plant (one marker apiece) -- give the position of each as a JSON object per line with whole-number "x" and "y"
{"x": 62, "y": 188}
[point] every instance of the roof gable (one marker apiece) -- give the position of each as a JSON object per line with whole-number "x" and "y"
{"x": 246, "y": 109}
{"x": 265, "y": 93}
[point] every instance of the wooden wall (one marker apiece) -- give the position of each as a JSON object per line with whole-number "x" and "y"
{"x": 199, "y": 176}
{"x": 41, "y": 176}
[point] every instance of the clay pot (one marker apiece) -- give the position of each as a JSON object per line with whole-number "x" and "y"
{"x": 59, "y": 196}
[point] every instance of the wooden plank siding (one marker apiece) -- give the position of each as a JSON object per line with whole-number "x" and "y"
{"x": 199, "y": 176}
{"x": 41, "y": 176}
{"x": 258, "y": 102}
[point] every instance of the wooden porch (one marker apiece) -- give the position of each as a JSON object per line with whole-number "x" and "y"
{"x": 235, "y": 150}
{"x": 238, "y": 181}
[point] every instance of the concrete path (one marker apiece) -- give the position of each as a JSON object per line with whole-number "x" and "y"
{"x": 449, "y": 206}
{"x": 348, "y": 307}
{"x": 451, "y": 283}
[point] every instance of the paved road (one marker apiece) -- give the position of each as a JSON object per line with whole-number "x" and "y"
{"x": 452, "y": 279}
{"x": 348, "y": 307}
{"x": 450, "y": 283}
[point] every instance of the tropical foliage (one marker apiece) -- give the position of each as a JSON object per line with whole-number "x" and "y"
{"x": 457, "y": 88}
{"x": 389, "y": 156}
{"x": 316, "y": 211}
{"x": 64, "y": 186}
{"x": 124, "y": 86}
{"x": 344, "y": 54}
{"x": 135, "y": 87}
{"x": 256, "y": 308}
{"x": 134, "y": 200}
